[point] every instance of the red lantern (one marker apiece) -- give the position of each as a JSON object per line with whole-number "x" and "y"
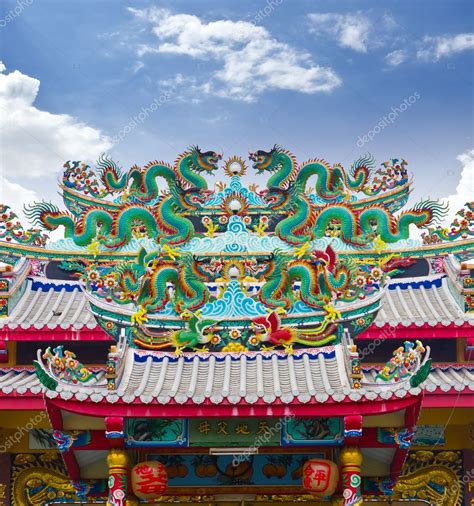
{"x": 149, "y": 480}
{"x": 320, "y": 477}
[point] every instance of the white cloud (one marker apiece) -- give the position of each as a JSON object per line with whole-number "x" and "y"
{"x": 249, "y": 60}
{"x": 16, "y": 196}
{"x": 435, "y": 48}
{"x": 34, "y": 143}
{"x": 396, "y": 58}
{"x": 350, "y": 30}
{"x": 465, "y": 189}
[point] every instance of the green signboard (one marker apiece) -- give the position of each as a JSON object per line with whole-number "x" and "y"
{"x": 313, "y": 431}
{"x": 157, "y": 432}
{"x": 235, "y": 432}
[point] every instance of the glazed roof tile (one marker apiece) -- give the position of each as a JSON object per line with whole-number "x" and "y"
{"x": 50, "y": 305}
{"x": 304, "y": 377}
{"x": 314, "y": 375}
{"x": 422, "y": 301}
{"x": 406, "y": 302}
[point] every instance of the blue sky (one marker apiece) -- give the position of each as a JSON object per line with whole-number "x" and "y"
{"x": 317, "y": 77}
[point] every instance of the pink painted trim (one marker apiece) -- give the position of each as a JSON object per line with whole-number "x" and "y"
{"x": 437, "y": 399}
{"x": 208, "y": 409}
{"x": 438, "y": 331}
{"x": 56, "y": 334}
{"x": 18, "y": 402}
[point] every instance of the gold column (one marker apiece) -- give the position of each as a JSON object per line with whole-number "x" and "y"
{"x": 118, "y": 463}
{"x": 351, "y": 462}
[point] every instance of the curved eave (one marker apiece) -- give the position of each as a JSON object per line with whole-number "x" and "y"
{"x": 446, "y": 387}
{"x": 208, "y": 409}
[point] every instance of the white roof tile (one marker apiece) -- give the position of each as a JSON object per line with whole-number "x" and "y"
{"x": 49, "y": 305}
{"x": 417, "y": 301}
{"x": 308, "y": 374}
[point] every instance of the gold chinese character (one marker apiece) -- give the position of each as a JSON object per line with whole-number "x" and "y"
{"x": 242, "y": 428}
{"x": 263, "y": 428}
{"x": 222, "y": 428}
{"x": 204, "y": 428}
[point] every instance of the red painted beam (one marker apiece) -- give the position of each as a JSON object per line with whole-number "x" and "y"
{"x": 155, "y": 410}
{"x": 15, "y": 402}
{"x": 453, "y": 399}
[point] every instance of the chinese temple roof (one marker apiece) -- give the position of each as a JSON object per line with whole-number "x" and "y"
{"x": 419, "y": 301}
{"x": 53, "y": 305}
{"x": 239, "y": 295}
{"x": 24, "y": 382}
{"x": 50, "y": 305}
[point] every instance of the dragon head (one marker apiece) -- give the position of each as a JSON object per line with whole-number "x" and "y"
{"x": 204, "y": 161}
{"x": 266, "y": 160}
{"x": 191, "y": 198}
{"x": 276, "y": 198}
{"x": 194, "y": 198}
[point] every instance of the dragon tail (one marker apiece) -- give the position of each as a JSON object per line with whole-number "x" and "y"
{"x": 361, "y": 171}
{"x": 319, "y": 336}
{"x": 39, "y": 213}
{"x": 431, "y": 210}
{"x": 111, "y": 174}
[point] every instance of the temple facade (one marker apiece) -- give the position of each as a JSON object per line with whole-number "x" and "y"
{"x": 193, "y": 338}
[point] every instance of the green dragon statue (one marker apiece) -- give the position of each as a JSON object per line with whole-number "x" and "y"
{"x": 305, "y": 220}
{"x": 198, "y": 331}
{"x": 320, "y": 278}
{"x": 147, "y": 281}
{"x": 139, "y": 185}
{"x": 141, "y": 208}
{"x": 332, "y": 183}
{"x": 163, "y": 222}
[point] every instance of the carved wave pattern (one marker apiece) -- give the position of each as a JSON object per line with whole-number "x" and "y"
{"x": 233, "y": 303}
{"x": 235, "y": 186}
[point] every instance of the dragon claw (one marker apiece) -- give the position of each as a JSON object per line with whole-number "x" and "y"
{"x": 332, "y": 313}
{"x": 302, "y": 250}
{"x": 139, "y": 316}
{"x": 173, "y": 253}
{"x": 288, "y": 349}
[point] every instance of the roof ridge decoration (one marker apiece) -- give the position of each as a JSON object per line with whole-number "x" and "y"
{"x": 462, "y": 227}
{"x": 407, "y": 364}
{"x": 309, "y": 375}
{"x": 11, "y": 229}
{"x": 61, "y": 366}
{"x": 235, "y": 268}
